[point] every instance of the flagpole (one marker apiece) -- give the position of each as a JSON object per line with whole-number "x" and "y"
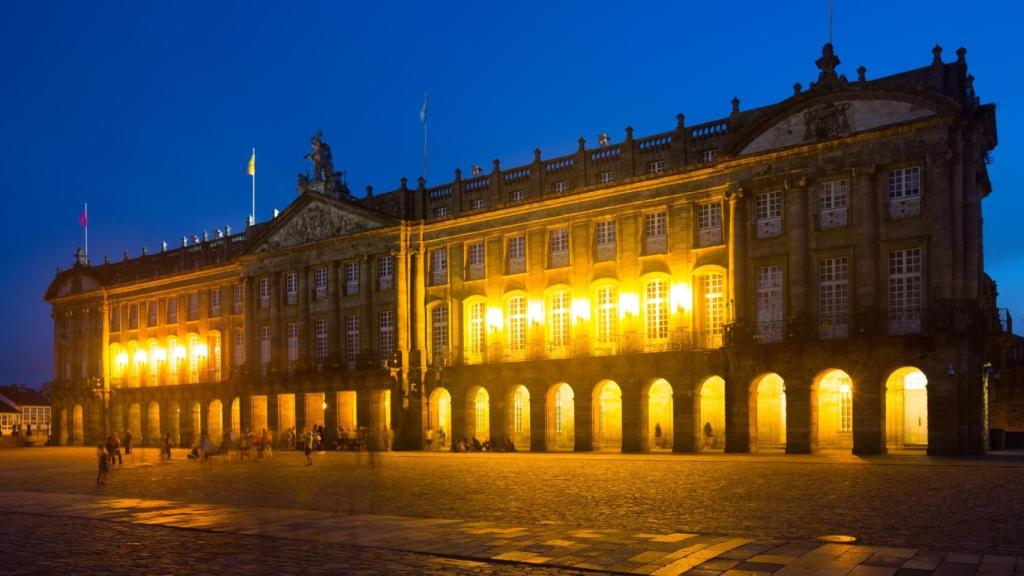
{"x": 252, "y": 215}
{"x": 86, "y": 229}
{"x": 425, "y": 115}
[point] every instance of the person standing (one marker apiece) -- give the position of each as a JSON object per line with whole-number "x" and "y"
{"x": 128, "y": 442}
{"x": 307, "y": 446}
{"x": 104, "y": 465}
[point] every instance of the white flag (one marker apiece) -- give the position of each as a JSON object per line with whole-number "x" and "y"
{"x": 423, "y": 111}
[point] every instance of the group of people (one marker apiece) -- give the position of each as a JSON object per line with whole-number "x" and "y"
{"x": 109, "y": 453}
{"x": 475, "y": 445}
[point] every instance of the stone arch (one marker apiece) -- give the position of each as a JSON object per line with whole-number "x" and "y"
{"x": 906, "y": 408}
{"x": 768, "y": 412}
{"x": 517, "y": 405}
{"x": 215, "y": 421}
{"x": 440, "y": 421}
{"x": 560, "y": 418}
{"x": 607, "y": 419}
{"x": 711, "y": 415}
{"x": 153, "y": 421}
{"x": 832, "y": 396}
{"x": 478, "y": 414}
{"x": 656, "y": 415}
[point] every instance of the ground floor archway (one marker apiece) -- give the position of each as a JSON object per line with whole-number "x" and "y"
{"x": 316, "y": 409}
{"x": 440, "y": 423}
{"x": 906, "y": 409}
{"x": 380, "y": 418}
{"x": 657, "y": 404}
{"x": 607, "y": 409}
{"x": 518, "y": 427}
{"x": 560, "y": 434}
{"x": 478, "y": 414}
{"x": 62, "y": 421}
{"x": 712, "y": 414}
{"x": 769, "y": 412}
{"x": 834, "y": 406}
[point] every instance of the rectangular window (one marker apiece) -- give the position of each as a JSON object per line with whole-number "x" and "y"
{"x": 655, "y": 233}
{"x": 905, "y": 291}
{"x": 558, "y": 247}
{"x": 769, "y": 214}
{"x": 604, "y": 239}
{"x": 656, "y": 167}
{"x": 709, "y": 224}
{"x": 516, "y": 254}
{"x": 115, "y": 318}
{"x": 152, "y": 314}
{"x": 291, "y": 288}
{"x": 833, "y": 297}
{"x": 708, "y": 156}
{"x": 385, "y": 272}
{"x": 239, "y": 348}
{"x": 517, "y": 324}
{"x": 833, "y": 198}
{"x": 561, "y": 309}
{"x": 656, "y": 310}
{"x": 560, "y": 187}
{"x": 439, "y": 266}
{"x": 351, "y": 278}
{"x": 215, "y": 302}
{"x": 172, "y": 310}
{"x": 320, "y": 331}
{"x": 477, "y": 328}
{"x": 439, "y": 331}
{"x": 193, "y": 306}
{"x": 293, "y": 343}
{"x": 264, "y": 345}
{"x": 351, "y": 337}
{"x": 905, "y": 192}
{"x": 386, "y": 335}
{"x": 133, "y": 316}
{"x": 264, "y": 287}
{"x": 239, "y": 297}
{"x": 516, "y": 196}
{"x": 320, "y": 282}
{"x": 478, "y": 204}
{"x": 845, "y": 405}
{"x": 607, "y": 315}
{"x": 440, "y": 211}
{"x": 713, "y": 313}
{"x": 475, "y": 261}
{"x": 605, "y": 177}
{"x": 769, "y": 303}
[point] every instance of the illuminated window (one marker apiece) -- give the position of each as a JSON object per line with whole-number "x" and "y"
{"x": 833, "y": 198}
{"x": 193, "y": 359}
{"x": 133, "y": 317}
{"x": 769, "y": 303}
{"x": 656, "y": 167}
{"x": 905, "y": 291}
{"x": 475, "y": 261}
{"x": 320, "y": 282}
{"x": 214, "y": 349}
{"x": 291, "y": 287}
{"x": 713, "y": 310}
{"x": 560, "y": 187}
{"x": 151, "y": 314}
{"x": 559, "y": 324}
{"x": 769, "y": 214}
{"x": 215, "y": 302}
{"x": 236, "y": 304}
{"x": 175, "y": 360}
{"x": 833, "y": 297}
{"x": 709, "y": 224}
{"x": 172, "y": 310}
{"x": 115, "y": 318}
{"x": 193, "y": 307}
{"x": 264, "y": 287}
{"x": 264, "y": 345}
{"x": 352, "y": 337}
{"x": 517, "y": 323}
{"x": 477, "y": 327}
{"x": 320, "y": 331}
{"x": 478, "y": 204}
{"x": 845, "y": 405}
{"x": 905, "y": 192}
{"x": 156, "y": 363}
{"x": 293, "y": 343}
{"x": 238, "y": 354}
{"x": 604, "y": 237}
{"x": 708, "y": 156}
{"x": 516, "y": 196}
{"x": 440, "y": 212}
{"x": 656, "y": 310}
{"x": 605, "y": 177}
{"x": 439, "y": 330}
{"x": 516, "y": 254}
{"x": 385, "y": 272}
{"x": 386, "y": 344}
{"x": 607, "y": 314}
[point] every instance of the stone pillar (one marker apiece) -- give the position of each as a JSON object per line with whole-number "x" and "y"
{"x": 460, "y": 424}
{"x": 685, "y": 425}
{"x": 330, "y": 417}
{"x": 498, "y": 416}
{"x": 274, "y": 416}
{"x": 538, "y": 420}
{"x": 868, "y": 414}
{"x": 583, "y": 419}
{"x": 737, "y": 256}
{"x": 300, "y": 411}
{"x": 633, "y": 433}
{"x": 799, "y": 278}
{"x": 800, "y": 415}
{"x": 737, "y": 413}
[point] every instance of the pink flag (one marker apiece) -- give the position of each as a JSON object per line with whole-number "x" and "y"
{"x": 83, "y": 218}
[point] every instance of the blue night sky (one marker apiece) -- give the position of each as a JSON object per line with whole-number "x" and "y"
{"x": 147, "y": 110}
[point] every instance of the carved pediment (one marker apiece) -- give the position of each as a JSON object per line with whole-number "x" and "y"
{"x": 313, "y": 222}
{"x": 823, "y": 121}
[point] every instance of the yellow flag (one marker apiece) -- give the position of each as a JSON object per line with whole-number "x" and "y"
{"x": 252, "y": 164}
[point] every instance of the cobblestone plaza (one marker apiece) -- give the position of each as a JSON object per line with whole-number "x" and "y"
{"x": 495, "y": 513}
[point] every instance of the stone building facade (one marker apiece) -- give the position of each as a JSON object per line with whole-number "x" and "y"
{"x": 803, "y": 276}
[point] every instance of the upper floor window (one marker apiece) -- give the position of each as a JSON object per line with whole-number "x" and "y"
{"x": 475, "y": 261}
{"x": 440, "y": 211}
{"x": 516, "y": 254}
{"x": 769, "y": 303}
{"x": 215, "y": 302}
{"x": 320, "y": 282}
{"x": 291, "y": 287}
{"x": 115, "y": 318}
{"x": 239, "y": 348}
{"x": 711, "y": 317}
{"x": 264, "y": 291}
{"x": 320, "y": 332}
{"x": 833, "y": 297}
{"x": 558, "y": 247}
{"x": 905, "y": 192}
{"x": 655, "y": 233}
{"x": 656, "y": 167}
{"x": 172, "y": 309}
{"x": 478, "y": 204}
{"x": 293, "y": 343}
{"x": 133, "y": 316}
{"x": 385, "y": 272}
{"x": 264, "y": 345}
{"x": 439, "y": 266}
{"x": 560, "y": 319}
{"x": 560, "y": 187}
{"x": 152, "y": 314}
{"x": 193, "y": 306}
{"x": 605, "y": 177}
{"x": 516, "y": 196}
{"x": 708, "y": 156}
{"x": 604, "y": 238}
{"x": 351, "y": 278}
{"x": 709, "y": 224}
{"x": 351, "y": 337}
{"x": 607, "y": 314}
{"x": 769, "y": 214}
{"x": 477, "y": 328}
{"x": 439, "y": 331}
{"x": 833, "y": 203}
{"x": 517, "y": 324}
{"x": 239, "y": 297}
{"x": 656, "y": 310}
{"x": 386, "y": 335}
{"x": 905, "y": 291}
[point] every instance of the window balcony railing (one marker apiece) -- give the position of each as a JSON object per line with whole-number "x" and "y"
{"x": 834, "y": 326}
{"x": 904, "y": 207}
{"x": 709, "y": 236}
{"x": 475, "y": 272}
{"x": 516, "y": 265}
{"x": 351, "y": 288}
{"x": 439, "y": 277}
{"x": 904, "y": 322}
{"x": 320, "y": 293}
{"x": 385, "y": 283}
{"x": 835, "y": 218}
{"x": 769, "y": 227}
{"x": 291, "y": 298}
{"x": 655, "y": 245}
{"x": 606, "y": 252}
{"x": 770, "y": 331}
{"x": 558, "y": 259}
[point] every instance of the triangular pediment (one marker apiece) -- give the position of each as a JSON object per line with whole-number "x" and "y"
{"x": 313, "y": 218}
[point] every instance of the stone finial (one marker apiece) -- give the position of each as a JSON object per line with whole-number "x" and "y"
{"x": 227, "y": 230}
{"x": 421, "y": 183}
{"x": 369, "y": 191}
{"x": 195, "y": 239}
{"x": 125, "y": 255}
{"x": 496, "y": 164}
{"x": 106, "y": 260}
{"x": 536, "y": 154}
{"x": 206, "y": 236}
{"x": 163, "y": 245}
{"x": 827, "y": 64}
{"x": 680, "y": 120}
{"x": 861, "y": 72}
{"x": 219, "y": 233}
{"x": 184, "y": 241}
{"x": 582, "y": 142}
{"x": 404, "y": 183}
{"x": 458, "y": 173}
{"x": 602, "y": 139}
{"x": 476, "y": 170}
{"x": 629, "y": 132}
{"x": 145, "y": 251}
{"x": 735, "y": 105}
{"x": 937, "y": 54}
{"x": 797, "y": 88}
{"x": 961, "y": 55}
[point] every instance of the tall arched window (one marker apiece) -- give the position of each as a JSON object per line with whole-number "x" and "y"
{"x": 607, "y": 314}
{"x": 215, "y": 356}
{"x": 656, "y": 310}
{"x": 155, "y": 364}
{"x": 176, "y": 355}
{"x": 517, "y": 323}
{"x": 559, "y": 322}
{"x": 712, "y": 309}
{"x": 439, "y": 331}
{"x": 193, "y": 359}
{"x": 477, "y": 344}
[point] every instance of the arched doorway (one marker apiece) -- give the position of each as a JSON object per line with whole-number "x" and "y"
{"x": 561, "y": 418}
{"x": 441, "y": 418}
{"x": 63, "y": 422}
{"x": 78, "y": 425}
{"x": 196, "y": 415}
{"x": 769, "y": 403}
{"x": 712, "y": 414}
{"x": 519, "y": 417}
{"x": 215, "y": 422}
{"x": 657, "y": 405}
{"x": 834, "y": 404}
{"x": 174, "y": 422}
{"x": 236, "y": 417}
{"x": 135, "y": 423}
{"x": 153, "y": 431}
{"x": 607, "y": 416}
{"x": 906, "y": 409}
{"x": 478, "y": 414}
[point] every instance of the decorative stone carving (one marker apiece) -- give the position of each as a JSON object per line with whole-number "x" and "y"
{"x": 826, "y": 121}
{"x": 315, "y": 222}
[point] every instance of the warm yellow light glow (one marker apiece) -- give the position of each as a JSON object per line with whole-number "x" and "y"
{"x": 629, "y": 304}
{"x": 159, "y": 355}
{"x": 325, "y": 406}
{"x": 179, "y": 353}
{"x": 581, "y": 309}
{"x": 844, "y": 388}
{"x": 201, "y": 350}
{"x": 535, "y": 310}
{"x": 495, "y": 321}
{"x": 140, "y": 356}
{"x": 682, "y": 297}
{"x": 121, "y": 359}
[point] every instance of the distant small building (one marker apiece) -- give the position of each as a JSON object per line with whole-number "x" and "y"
{"x": 28, "y": 406}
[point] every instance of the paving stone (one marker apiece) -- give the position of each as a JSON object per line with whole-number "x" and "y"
{"x": 962, "y": 558}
